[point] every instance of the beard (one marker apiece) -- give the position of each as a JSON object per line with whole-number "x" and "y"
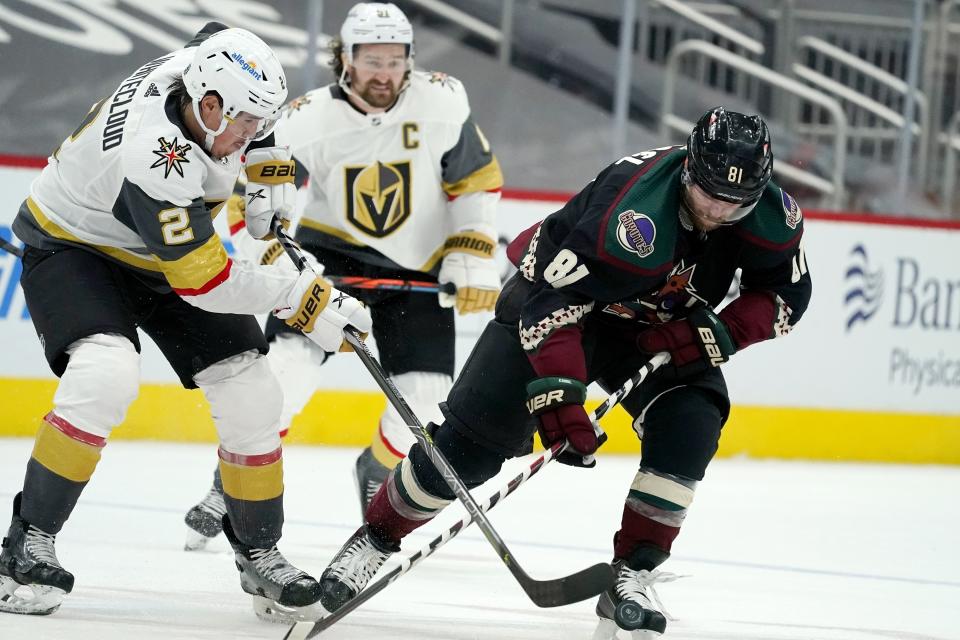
{"x": 379, "y": 99}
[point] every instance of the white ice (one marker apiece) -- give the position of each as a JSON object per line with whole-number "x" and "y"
{"x": 774, "y": 550}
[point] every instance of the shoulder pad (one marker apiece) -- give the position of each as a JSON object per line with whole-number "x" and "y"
{"x": 164, "y": 164}
{"x": 438, "y": 96}
{"x": 777, "y": 221}
{"x": 639, "y": 226}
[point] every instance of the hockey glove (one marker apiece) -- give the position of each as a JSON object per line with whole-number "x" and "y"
{"x": 270, "y": 190}
{"x": 468, "y": 263}
{"x": 558, "y": 404}
{"x": 696, "y": 343}
{"x": 322, "y": 312}
{"x": 261, "y": 251}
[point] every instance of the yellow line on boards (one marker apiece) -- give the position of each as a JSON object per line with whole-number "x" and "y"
{"x": 349, "y": 418}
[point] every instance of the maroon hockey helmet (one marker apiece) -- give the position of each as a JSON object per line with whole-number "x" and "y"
{"x": 729, "y": 156}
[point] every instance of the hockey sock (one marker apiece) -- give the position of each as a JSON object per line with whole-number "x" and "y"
{"x": 63, "y": 460}
{"x": 415, "y": 492}
{"x": 253, "y": 493}
{"x": 653, "y": 512}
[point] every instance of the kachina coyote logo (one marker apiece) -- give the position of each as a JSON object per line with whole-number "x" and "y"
{"x": 864, "y": 288}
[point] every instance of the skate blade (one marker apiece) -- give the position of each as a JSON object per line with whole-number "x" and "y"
{"x": 41, "y": 601}
{"x": 606, "y": 630}
{"x": 644, "y": 634}
{"x": 271, "y": 611}
{"x": 195, "y": 541}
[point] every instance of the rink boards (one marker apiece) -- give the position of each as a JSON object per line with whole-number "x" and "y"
{"x": 871, "y": 373}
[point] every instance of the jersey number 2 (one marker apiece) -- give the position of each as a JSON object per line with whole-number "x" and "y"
{"x": 175, "y": 226}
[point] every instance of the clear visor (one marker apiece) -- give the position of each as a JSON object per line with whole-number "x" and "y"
{"x": 249, "y": 127}
{"x": 372, "y": 61}
{"x": 712, "y": 210}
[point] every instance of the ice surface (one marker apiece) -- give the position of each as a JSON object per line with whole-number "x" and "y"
{"x": 774, "y": 550}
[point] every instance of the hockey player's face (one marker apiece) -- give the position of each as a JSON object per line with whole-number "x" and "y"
{"x": 709, "y": 213}
{"x": 239, "y": 132}
{"x": 377, "y": 73}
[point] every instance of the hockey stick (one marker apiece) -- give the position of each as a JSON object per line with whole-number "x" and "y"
{"x": 308, "y": 629}
{"x": 544, "y": 593}
{"x": 392, "y": 284}
{"x": 11, "y": 248}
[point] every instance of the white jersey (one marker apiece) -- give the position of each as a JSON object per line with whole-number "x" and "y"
{"x": 389, "y": 188}
{"x": 132, "y": 185}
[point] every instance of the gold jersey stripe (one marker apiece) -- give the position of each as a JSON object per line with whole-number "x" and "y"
{"x": 487, "y": 178}
{"x": 198, "y": 267}
{"x": 52, "y": 229}
{"x": 64, "y": 456}
{"x": 252, "y": 483}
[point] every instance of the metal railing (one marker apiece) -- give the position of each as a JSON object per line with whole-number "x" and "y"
{"x": 833, "y": 188}
{"x": 951, "y": 141}
{"x": 501, "y": 37}
{"x": 867, "y": 140}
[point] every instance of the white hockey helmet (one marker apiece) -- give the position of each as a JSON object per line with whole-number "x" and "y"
{"x": 245, "y": 73}
{"x": 376, "y": 23}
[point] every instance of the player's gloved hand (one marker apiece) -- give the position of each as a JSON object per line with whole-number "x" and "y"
{"x": 468, "y": 263}
{"x": 260, "y": 251}
{"x": 270, "y": 190}
{"x": 322, "y": 312}
{"x": 558, "y": 404}
{"x": 696, "y": 343}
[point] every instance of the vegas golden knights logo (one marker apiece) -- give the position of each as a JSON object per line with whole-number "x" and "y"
{"x": 378, "y": 197}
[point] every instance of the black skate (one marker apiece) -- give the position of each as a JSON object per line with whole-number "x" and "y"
{"x": 352, "y": 568}
{"x": 369, "y": 474}
{"x": 281, "y": 592}
{"x": 204, "y": 520}
{"x": 632, "y": 603}
{"x": 32, "y": 581}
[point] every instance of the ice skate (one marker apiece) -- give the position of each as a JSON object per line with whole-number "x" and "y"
{"x": 281, "y": 592}
{"x": 632, "y": 603}
{"x": 32, "y": 581}
{"x": 204, "y": 519}
{"x": 352, "y": 568}
{"x": 369, "y": 474}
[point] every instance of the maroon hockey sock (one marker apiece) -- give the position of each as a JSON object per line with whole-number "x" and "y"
{"x": 393, "y": 513}
{"x": 637, "y": 529}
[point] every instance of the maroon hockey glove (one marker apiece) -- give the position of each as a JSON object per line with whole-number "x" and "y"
{"x": 696, "y": 343}
{"x": 558, "y": 403}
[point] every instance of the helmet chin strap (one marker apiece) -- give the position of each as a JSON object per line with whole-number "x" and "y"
{"x": 209, "y": 134}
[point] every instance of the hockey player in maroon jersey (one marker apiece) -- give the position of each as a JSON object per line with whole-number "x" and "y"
{"x": 634, "y": 264}
{"x": 119, "y": 235}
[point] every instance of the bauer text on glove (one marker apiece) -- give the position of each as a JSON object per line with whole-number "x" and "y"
{"x": 322, "y": 312}
{"x": 696, "y": 343}
{"x": 557, "y": 402}
{"x": 270, "y": 189}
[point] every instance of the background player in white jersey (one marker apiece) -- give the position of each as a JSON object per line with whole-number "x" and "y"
{"x": 402, "y": 184}
{"x": 119, "y": 234}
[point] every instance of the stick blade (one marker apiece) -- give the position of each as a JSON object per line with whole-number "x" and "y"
{"x": 576, "y": 587}
{"x": 300, "y": 630}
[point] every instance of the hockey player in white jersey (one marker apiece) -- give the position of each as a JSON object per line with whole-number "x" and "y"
{"x": 402, "y": 184}
{"x": 119, "y": 235}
